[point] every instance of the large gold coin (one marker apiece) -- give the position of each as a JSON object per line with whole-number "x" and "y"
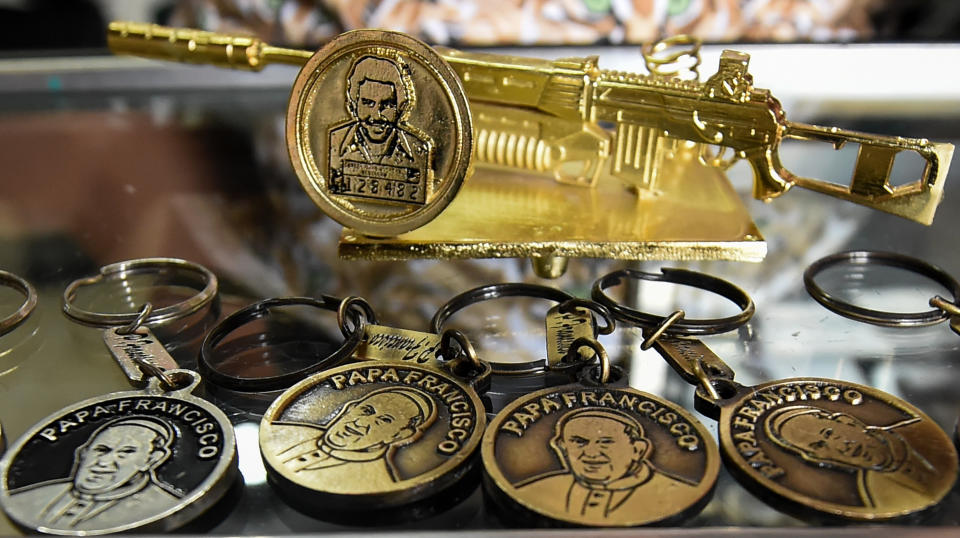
{"x": 379, "y": 131}
{"x": 601, "y": 456}
{"x": 828, "y": 448}
{"x": 371, "y": 436}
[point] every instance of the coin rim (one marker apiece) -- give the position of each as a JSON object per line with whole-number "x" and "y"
{"x": 404, "y": 491}
{"x": 461, "y": 120}
{"x": 801, "y": 504}
{"x": 210, "y": 491}
{"x": 496, "y": 477}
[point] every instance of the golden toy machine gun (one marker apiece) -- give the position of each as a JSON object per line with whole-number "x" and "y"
{"x": 549, "y": 116}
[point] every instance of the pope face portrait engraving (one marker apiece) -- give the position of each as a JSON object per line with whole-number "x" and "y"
{"x": 371, "y": 434}
{"x": 361, "y": 438}
{"x": 605, "y": 456}
{"x": 113, "y": 478}
{"x": 830, "y": 448}
{"x": 599, "y": 457}
{"x": 886, "y": 466}
{"x": 376, "y": 154}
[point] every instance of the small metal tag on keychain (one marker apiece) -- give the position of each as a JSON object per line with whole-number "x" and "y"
{"x": 148, "y": 460}
{"x": 594, "y": 454}
{"x": 376, "y": 434}
{"x": 817, "y": 448}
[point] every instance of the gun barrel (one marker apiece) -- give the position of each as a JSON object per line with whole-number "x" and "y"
{"x": 197, "y": 46}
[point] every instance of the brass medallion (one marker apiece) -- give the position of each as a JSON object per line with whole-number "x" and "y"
{"x": 371, "y": 435}
{"x": 379, "y": 131}
{"x": 832, "y": 448}
{"x": 599, "y": 457}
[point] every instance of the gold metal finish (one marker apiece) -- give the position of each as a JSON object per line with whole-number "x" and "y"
{"x": 504, "y": 214}
{"x": 379, "y": 131}
{"x": 549, "y": 116}
{"x": 598, "y": 457}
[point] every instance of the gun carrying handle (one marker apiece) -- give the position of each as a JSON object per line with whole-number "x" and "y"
{"x": 870, "y": 184}
{"x": 197, "y": 46}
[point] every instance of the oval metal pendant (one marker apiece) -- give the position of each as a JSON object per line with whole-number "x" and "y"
{"x": 371, "y": 435}
{"x": 379, "y": 131}
{"x": 599, "y": 457}
{"x": 143, "y": 461}
{"x": 831, "y": 448}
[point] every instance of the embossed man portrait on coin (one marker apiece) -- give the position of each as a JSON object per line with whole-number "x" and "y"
{"x": 379, "y": 131}
{"x": 600, "y": 457}
{"x": 117, "y": 464}
{"x": 839, "y": 448}
{"x": 371, "y": 431}
{"x": 377, "y": 154}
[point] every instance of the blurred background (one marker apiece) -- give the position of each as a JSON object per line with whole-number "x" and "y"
{"x": 73, "y": 24}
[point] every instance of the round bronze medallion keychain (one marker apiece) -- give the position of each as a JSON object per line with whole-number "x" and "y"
{"x": 375, "y": 434}
{"x": 379, "y": 131}
{"x": 146, "y": 460}
{"x": 594, "y": 454}
{"x": 818, "y": 448}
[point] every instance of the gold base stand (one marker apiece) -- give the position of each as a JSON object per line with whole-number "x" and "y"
{"x": 691, "y": 213}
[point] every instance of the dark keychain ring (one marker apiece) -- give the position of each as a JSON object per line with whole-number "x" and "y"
{"x": 879, "y": 317}
{"x": 260, "y": 310}
{"x": 683, "y": 326}
{"x": 514, "y": 289}
{"x": 23, "y": 312}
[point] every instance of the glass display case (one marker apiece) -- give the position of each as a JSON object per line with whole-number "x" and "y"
{"x": 107, "y": 159}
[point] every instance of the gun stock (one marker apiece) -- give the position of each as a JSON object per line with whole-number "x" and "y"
{"x": 870, "y": 181}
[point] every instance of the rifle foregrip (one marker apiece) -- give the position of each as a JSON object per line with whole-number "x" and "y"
{"x": 186, "y": 45}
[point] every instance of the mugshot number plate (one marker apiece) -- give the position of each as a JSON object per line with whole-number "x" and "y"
{"x": 599, "y": 457}
{"x": 371, "y": 434}
{"x": 836, "y": 448}
{"x": 379, "y": 131}
{"x": 144, "y": 461}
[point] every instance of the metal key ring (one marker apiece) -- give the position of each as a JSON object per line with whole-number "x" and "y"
{"x": 120, "y": 271}
{"x": 496, "y": 291}
{"x": 12, "y": 321}
{"x": 879, "y": 317}
{"x": 261, "y": 310}
{"x": 684, "y": 326}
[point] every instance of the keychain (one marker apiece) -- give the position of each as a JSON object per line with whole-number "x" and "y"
{"x": 595, "y": 454}
{"x": 388, "y": 431}
{"x": 820, "y": 448}
{"x": 148, "y": 460}
{"x": 14, "y": 320}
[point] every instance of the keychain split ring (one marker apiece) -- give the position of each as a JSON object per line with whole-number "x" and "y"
{"x": 261, "y": 310}
{"x": 122, "y": 270}
{"x": 357, "y": 310}
{"x": 26, "y": 308}
{"x": 879, "y": 317}
{"x": 681, "y": 326}
{"x": 497, "y": 291}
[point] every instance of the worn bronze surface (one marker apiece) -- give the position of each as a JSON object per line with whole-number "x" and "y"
{"x": 599, "y": 457}
{"x": 563, "y": 327}
{"x": 379, "y": 131}
{"x": 832, "y": 449}
{"x": 371, "y": 435}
